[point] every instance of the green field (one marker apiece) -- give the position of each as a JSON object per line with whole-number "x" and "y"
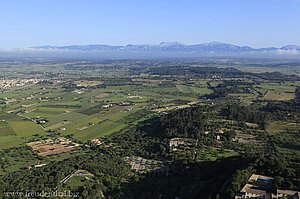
{"x": 193, "y": 89}
{"x": 71, "y": 117}
{"x": 24, "y": 128}
{"x": 104, "y": 128}
{"x": 9, "y": 141}
{"x": 285, "y": 70}
{"x": 6, "y": 130}
{"x": 201, "y": 90}
{"x": 277, "y": 87}
{"x": 212, "y": 154}
{"x": 17, "y": 131}
{"x": 184, "y": 89}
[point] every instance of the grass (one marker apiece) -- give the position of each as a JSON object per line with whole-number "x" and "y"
{"x": 104, "y": 123}
{"x": 285, "y": 70}
{"x": 104, "y": 128}
{"x": 6, "y": 116}
{"x": 201, "y": 90}
{"x": 11, "y": 141}
{"x": 279, "y": 127}
{"x": 277, "y": 87}
{"x": 71, "y": 117}
{"x": 207, "y": 153}
{"x": 55, "y": 110}
{"x": 3, "y": 124}
{"x": 59, "y": 125}
{"x": 212, "y": 154}
{"x": 26, "y": 128}
{"x": 90, "y": 110}
{"x": 194, "y": 89}
{"x": 18, "y": 131}
{"x": 273, "y": 95}
{"x": 78, "y": 181}
{"x": 37, "y": 113}
{"x": 7, "y": 130}
{"x": 184, "y": 89}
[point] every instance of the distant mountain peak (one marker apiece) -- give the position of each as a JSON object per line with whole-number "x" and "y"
{"x": 172, "y": 44}
{"x": 172, "y": 48}
{"x": 291, "y": 47}
{"x": 216, "y": 43}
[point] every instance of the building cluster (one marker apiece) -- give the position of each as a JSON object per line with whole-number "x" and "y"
{"x": 6, "y": 84}
{"x": 176, "y": 143}
{"x": 262, "y": 187}
{"x": 96, "y": 142}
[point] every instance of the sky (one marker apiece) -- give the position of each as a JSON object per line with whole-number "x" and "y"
{"x": 257, "y": 23}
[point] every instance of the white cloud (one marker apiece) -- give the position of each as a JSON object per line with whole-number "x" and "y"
{"x": 287, "y": 52}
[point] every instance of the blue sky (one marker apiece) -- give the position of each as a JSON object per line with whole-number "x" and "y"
{"x": 258, "y": 23}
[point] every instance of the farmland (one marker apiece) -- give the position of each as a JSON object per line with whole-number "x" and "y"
{"x": 95, "y": 106}
{"x": 89, "y": 110}
{"x": 162, "y": 117}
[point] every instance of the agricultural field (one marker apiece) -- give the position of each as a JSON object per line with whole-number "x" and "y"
{"x": 273, "y": 95}
{"x": 91, "y": 108}
{"x": 201, "y": 122}
{"x": 193, "y": 89}
{"x": 281, "y": 127}
{"x": 288, "y": 70}
{"x": 16, "y": 131}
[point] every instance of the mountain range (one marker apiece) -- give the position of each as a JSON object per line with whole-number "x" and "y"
{"x": 149, "y": 51}
{"x": 213, "y": 47}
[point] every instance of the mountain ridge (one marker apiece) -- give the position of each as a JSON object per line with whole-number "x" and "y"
{"x": 170, "y": 46}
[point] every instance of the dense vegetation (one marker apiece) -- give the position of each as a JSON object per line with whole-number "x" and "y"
{"x": 109, "y": 169}
{"x": 189, "y": 122}
{"x": 243, "y": 114}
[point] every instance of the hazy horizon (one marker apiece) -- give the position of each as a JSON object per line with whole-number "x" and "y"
{"x": 132, "y": 43}
{"x": 255, "y": 23}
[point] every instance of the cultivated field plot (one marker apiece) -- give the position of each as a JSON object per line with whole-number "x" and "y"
{"x": 279, "y": 127}
{"x": 11, "y": 141}
{"x": 103, "y": 95}
{"x": 273, "y": 95}
{"x": 25, "y": 127}
{"x": 50, "y": 147}
{"x": 16, "y": 130}
{"x": 193, "y": 89}
{"x": 285, "y": 70}
{"x": 5, "y": 129}
{"x": 48, "y": 112}
{"x": 94, "y": 126}
{"x": 104, "y": 128}
{"x": 274, "y": 91}
{"x": 70, "y": 117}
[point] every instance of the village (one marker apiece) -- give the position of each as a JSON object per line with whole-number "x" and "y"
{"x": 260, "y": 186}
{"x": 6, "y": 84}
